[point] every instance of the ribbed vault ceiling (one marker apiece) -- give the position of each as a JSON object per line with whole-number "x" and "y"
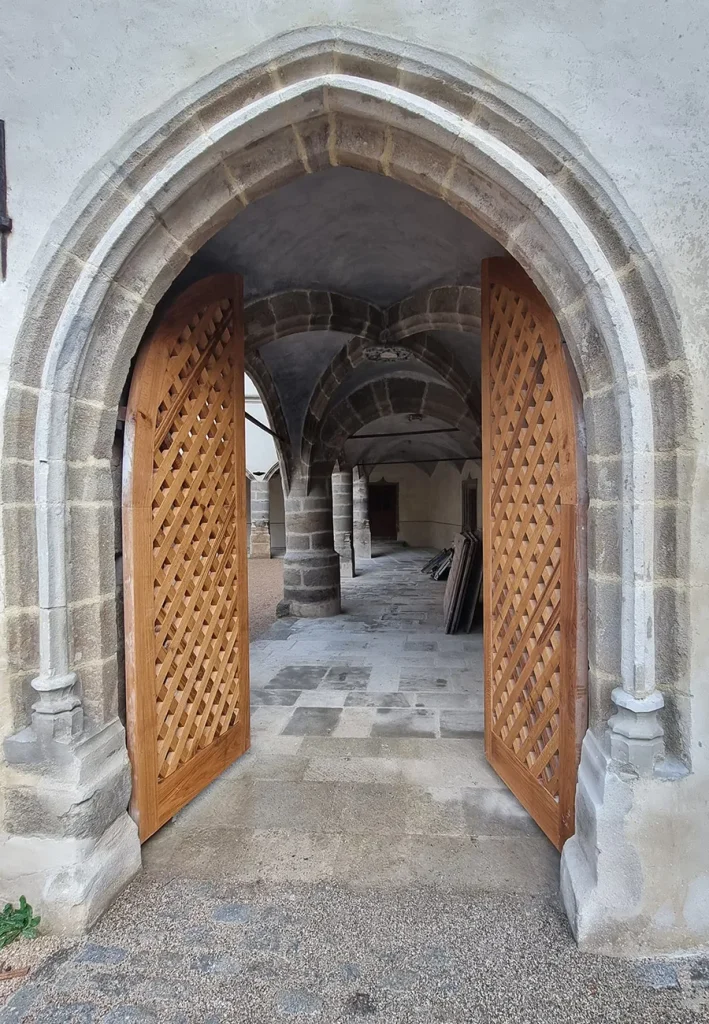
{"x": 363, "y": 235}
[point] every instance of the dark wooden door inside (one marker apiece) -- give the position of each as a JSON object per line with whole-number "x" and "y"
{"x": 470, "y": 505}
{"x": 383, "y": 511}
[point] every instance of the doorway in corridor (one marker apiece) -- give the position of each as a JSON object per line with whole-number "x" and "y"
{"x": 384, "y": 511}
{"x": 190, "y": 684}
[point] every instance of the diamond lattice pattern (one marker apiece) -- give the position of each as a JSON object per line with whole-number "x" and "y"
{"x": 526, "y": 541}
{"x": 194, "y": 538}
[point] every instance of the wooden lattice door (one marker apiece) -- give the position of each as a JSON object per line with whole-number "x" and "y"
{"x": 534, "y": 569}
{"x": 184, "y": 523}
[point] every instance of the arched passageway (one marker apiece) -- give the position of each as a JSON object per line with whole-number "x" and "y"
{"x": 332, "y": 105}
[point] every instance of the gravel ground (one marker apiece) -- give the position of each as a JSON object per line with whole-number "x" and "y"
{"x": 24, "y": 953}
{"x": 265, "y": 591}
{"x": 197, "y": 952}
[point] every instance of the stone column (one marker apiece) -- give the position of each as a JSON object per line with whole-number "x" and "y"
{"x": 311, "y": 566}
{"x": 361, "y": 534}
{"x": 343, "y": 521}
{"x": 260, "y": 520}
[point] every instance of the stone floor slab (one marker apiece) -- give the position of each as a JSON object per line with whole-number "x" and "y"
{"x": 461, "y": 724}
{"x": 406, "y": 723}
{"x": 362, "y": 858}
{"x": 297, "y": 677}
{"x": 312, "y": 721}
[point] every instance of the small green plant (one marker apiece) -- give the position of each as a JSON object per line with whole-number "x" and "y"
{"x": 16, "y": 922}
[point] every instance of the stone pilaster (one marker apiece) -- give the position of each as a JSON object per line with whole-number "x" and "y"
{"x": 361, "y": 533}
{"x": 260, "y": 546}
{"x": 66, "y": 840}
{"x": 311, "y": 569}
{"x": 623, "y": 776}
{"x": 343, "y": 521}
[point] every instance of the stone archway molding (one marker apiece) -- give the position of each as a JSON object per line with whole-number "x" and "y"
{"x": 306, "y": 102}
{"x": 270, "y": 473}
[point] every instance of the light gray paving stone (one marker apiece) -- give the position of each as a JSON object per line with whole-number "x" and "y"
{"x": 413, "y": 722}
{"x": 457, "y": 724}
{"x": 312, "y": 721}
{"x": 322, "y": 698}
{"x": 355, "y": 723}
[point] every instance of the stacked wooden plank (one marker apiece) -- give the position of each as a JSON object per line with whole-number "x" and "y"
{"x": 439, "y": 566}
{"x": 464, "y": 582}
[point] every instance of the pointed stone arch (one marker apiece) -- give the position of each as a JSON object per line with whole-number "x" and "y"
{"x": 295, "y": 312}
{"x": 270, "y": 473}
{"x": 271, "y": 401}
{"x": 444, "y": 308}
{"x": 305, "y": 102}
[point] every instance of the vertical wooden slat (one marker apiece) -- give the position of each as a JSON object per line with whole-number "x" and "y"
{"x": 534, "y": 550}
{"x": 184, "y": 515}
{"x": 138, "y": 583}
{"x": 242, "y": 515}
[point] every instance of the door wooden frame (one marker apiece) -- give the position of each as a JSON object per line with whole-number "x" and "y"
{"x": 154, "y": 800}
{"x": 556, "y": 819}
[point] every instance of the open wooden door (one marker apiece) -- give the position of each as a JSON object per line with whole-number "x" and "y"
{"x": 534, "y": 550}
{"x": 184, "y": 534}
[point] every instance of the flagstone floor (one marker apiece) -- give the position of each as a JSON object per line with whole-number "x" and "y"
{"x": 367, "y": 758}
{"x": 360, "y": 861}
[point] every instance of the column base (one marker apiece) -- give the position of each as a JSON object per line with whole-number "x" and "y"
{"x": 311, "y": 584}
{"x": 346, "y": 568}
{"x": 259, "y": 543}
{"x": 633, "y": 877}
{"x": 362, "y": 542}
{"x": 309, "y": 609}
{"x": 70, "y": 882}
{"x": 67, "y": 844}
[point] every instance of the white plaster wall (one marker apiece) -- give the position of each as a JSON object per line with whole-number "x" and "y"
{"x": 80, "y": 74}
{"x": 430, "y": 507}
{"x": 260, "y": 446}
{"x": 627, "y": 78}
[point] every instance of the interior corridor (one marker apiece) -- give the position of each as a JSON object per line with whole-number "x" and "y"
{"x": 367, "y": 760}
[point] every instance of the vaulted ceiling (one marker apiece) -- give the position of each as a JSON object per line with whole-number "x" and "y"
{"x": 363, "y": 236}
